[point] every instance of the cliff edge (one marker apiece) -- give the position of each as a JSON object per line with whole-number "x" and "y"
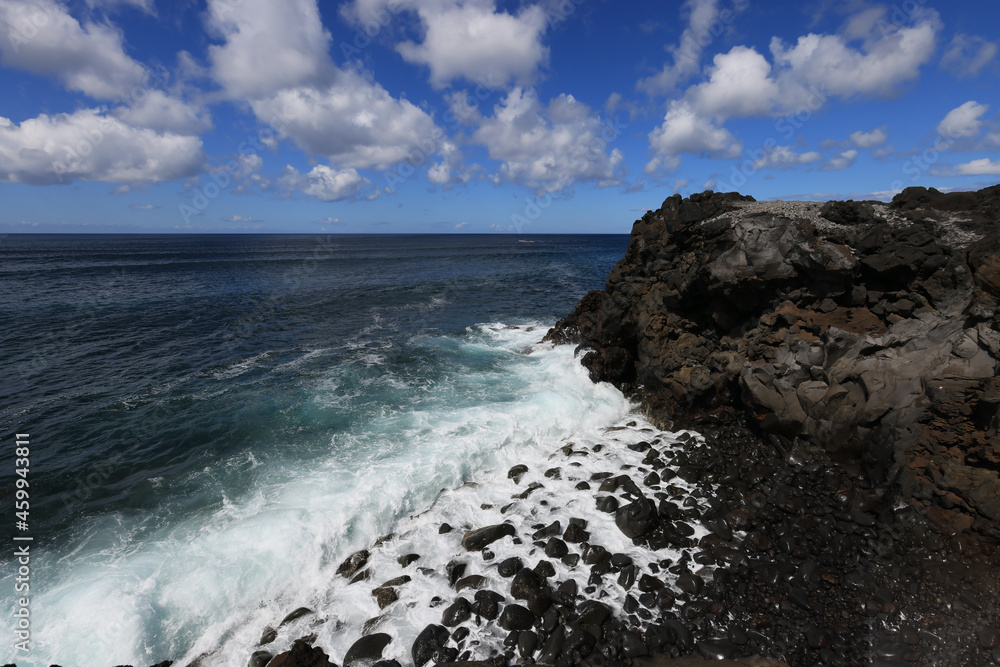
{"x": 867, "y": 328}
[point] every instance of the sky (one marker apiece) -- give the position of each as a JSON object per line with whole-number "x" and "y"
{"x": 479, "y": 116}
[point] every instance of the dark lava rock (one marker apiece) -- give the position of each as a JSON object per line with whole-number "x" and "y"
{"x": 607, "y": 504}
{"x": 260, "y": 659}
{"x": 539, "y": 601}
{"x": 516, "y": 617}
{"x": 575, "y": 534}
{"x": 477, "y": 540}
{"x": 545, "y": 569}
{"x": 268, "y": 636}
{"x": 385, "y": 596}
{"x": 428, "y": 642}
{"x": 408, "y": 559}
{"x": 454, "y": 570}
{"x": 353, "y": 563}
{"x": 517, "y": 472}
{"x": 302, "y": 655}
{"x": 473, "y": 581}
{"x": 691, "y": 584}
{"x": 445, "y": 528}
{"x": 717, "y": 649}
{"x": 527, "y": 642}
{"x": 459, "y": 612}
{"x": 366, "y": 650}
{"x": 509, "y": 567}
{"x": 295, "y": 615}
{"x": 548, "y": 531}
{"x": 487, "y": 604}
{"x": 637, "y": 518}
{"x": 556, "y": 548}
{"x": 525, "y": 582}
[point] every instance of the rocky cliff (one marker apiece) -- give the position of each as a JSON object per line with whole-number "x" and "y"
{"x": 870, "y": 329}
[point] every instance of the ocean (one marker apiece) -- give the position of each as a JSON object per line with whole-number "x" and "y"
{"x": 216, "y": 422}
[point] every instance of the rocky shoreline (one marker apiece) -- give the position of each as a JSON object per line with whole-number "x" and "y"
{"x": 815, "y": 479}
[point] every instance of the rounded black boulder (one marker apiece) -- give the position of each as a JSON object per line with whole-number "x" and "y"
{"x": 516, "y": 617}
{"x": 458, "y": 612}
{"x": 524, "y": 584}
{"x": 301, "y": 655}
{"x": 510, "y": 566}
{"x": 556, "y": 548}
{"x": 428, "y": 642}
{"x": 637, "y": 518}
{"x": 367, "y": 650}
{"x": 477, "y": 540}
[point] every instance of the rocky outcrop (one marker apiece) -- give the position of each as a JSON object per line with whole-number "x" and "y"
{"x": 871, "y": 329}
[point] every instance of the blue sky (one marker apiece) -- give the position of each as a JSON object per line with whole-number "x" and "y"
{"x": 541, "y": 116}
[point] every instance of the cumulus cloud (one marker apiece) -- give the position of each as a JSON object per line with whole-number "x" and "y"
{"x": 963, "y": 122}
{"x": 465, "y": 39}
{"x": 354, "y": 123}
{"x": 685, "y": 130}
{"x": 860, "y": 60}
{"x": 868, "y": 139}
{"x": 879, "y": 67}
{"x": 981, "y": 167}
{"x": 325, "y": 183}
{"x": 842, "y": 160}
{"x": 783, "y": 157}
{"x": 291, "y": 83}
{"x": 156, "y": 110}
{"x": 268, "y": 46}
{"x": 87, "y": 145}
{"x": 739, "y": 84}
{"x": 471, "y": 40}
{"x": 967, "y": 55}
{"x": 547, "y": 147}
{"x": 40, "y": 36}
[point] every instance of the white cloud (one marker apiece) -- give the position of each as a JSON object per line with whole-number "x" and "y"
{"x": 685, "y": 130}
{"x": 470, "y": 39}
{"x": 686, "y": 56}
{"x": 739, "y": 84}
{"x": 880, "y": 67}
{"x": 842, "y": 161}
{"x": 269, "y": 46}
{"x": 868, "y": 139}
{"x": 158, "y": 111}
{"x": 783, "y": 157}
{"x": 354, "y": 123}
{"x": 276, "y": 56}
{"x": 40, "y": 36}
{"x": 963, "y": 122}
{"x": 86, "y": 145}
{"x": 967, "y": 55}
{"x": 325, "y": 183}
{"x": 548, "y": 147}
{"x": 439, "y": 174}
{"x": 144, "y": 207}
{"x": 982, "y": 167}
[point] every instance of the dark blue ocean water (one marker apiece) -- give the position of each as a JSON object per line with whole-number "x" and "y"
{"x": 201, "y": 406}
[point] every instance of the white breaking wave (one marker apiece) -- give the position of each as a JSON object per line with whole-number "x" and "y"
{"x": 207, "y": 585}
